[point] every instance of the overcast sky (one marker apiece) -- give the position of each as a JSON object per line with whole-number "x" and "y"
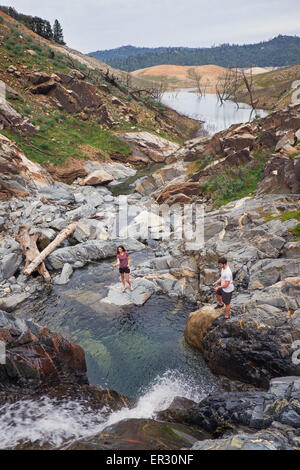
{"x": 91, "y": 25}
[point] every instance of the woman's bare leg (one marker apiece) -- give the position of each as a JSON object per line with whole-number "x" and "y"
{"x": 123, "y": 281}
{"x": 128, "y": 280}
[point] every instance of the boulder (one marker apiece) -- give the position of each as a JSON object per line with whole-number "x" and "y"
{"x": 198, "y": 324}
{"x": 281, "y": 175}
{"x": 94, "y": 250}
{"x": 239, "y": 141}
{"x": 10, "y": 303}
{"x": 10, "y": 264}
{"x": 226, "y": 412}
{"x": 140, "y": 434}
{"x": 65, "y": 275}
{"x": 173, "y": 190}
{"x": 270, "y": 439}
{"x": 35, "y": 354}
{"x": 57, "y": 192}
{"x": 149, "y": 145}
{"x": 266, "y": 272}
{"x": 10, "y": 118}
{"x": 38, "y": 78}
{"x": 43, "y": 88}
{"x": 98, "y": 177}
{"x": 90, "y": 229}
{"x": 256, "y": 343}
{"x": 19, "y": 176}
{"x": 287, "y": 139}
{"x": 143, "y": 290}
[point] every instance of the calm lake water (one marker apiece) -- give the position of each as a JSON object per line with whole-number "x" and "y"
{"x": 207, "y": 108}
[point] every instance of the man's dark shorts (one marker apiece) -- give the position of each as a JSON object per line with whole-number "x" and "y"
{"x": 124, "y": 270}
{"x": 226, "y": 296}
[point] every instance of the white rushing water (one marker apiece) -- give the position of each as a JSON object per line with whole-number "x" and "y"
{"x": 57, "y": 423}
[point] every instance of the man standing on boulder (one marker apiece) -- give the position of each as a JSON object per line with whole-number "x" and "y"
{"x": 225, "y": 290}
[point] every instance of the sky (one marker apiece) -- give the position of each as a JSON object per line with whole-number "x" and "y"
{"x": 91, "y": 25}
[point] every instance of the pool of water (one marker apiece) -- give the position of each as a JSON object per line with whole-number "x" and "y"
{"x": 128, "y": 349}
{"x": 207, "y": 108}
{"x": 127, "y": 186}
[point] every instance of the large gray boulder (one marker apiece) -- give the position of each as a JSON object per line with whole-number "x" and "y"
{"x": 83, "y": 253}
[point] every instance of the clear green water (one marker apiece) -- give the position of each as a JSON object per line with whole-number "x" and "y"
{"x": 127, "y": 349}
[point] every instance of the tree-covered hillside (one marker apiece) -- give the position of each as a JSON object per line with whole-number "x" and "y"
{"x": 38, "y": 25}
{"x": 278, "y": 52}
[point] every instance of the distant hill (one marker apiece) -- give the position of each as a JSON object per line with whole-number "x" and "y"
{"x": 177, "y": 76}
{"x": 278, "y": 52}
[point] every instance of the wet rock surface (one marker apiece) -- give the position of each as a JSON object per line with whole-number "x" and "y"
{"x": 35, "y": 354}
{"x": 276, "y": 412}
{"x": 141, "y": 434}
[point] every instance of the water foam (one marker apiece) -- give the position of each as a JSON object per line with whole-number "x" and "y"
{"x": 48, "y": 422}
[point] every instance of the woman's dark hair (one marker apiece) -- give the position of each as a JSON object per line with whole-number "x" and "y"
{"x": 222, "y": 261}
{"x": 122, "y": 248}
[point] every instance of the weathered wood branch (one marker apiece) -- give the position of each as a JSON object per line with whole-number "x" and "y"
{"x": 29, "y": 247}
{"x": 48, "y": 250}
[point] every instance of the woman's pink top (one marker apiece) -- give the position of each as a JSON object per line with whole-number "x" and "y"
{"x": 123, "y": 257}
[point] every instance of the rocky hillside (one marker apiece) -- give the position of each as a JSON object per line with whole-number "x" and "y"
{"x": 272, "y": 90}
{"x": 64, "y": 109}
{"x": 260, "y": 157}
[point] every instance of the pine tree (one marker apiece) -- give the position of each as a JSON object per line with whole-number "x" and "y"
{"x": 48, "y": 30}
{"x": 58, "y": 33}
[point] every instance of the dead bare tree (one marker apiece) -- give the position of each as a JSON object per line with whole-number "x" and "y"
{"x": 234, "y": 85}
{"x": 196, "y": 77}
{"x": 248, "y": 81}
{"x": 227, "y": 85}
{"x": 157, "y": 91}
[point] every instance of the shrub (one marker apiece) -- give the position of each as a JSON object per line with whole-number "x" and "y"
{"x": 27, "y": 110}
{"x": 296, "y": 230}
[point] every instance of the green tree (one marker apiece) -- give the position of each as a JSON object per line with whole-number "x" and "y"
{"x": 58, "y": 33}
{"x": 48, "y": 33}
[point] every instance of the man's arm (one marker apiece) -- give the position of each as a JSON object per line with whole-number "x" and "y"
{"x": 226, "y": 284}
{"x": 217, "y": 282}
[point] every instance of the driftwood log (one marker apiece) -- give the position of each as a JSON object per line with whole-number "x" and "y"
{"x": 29, "y": 247}
{"x": 35, "y": 259}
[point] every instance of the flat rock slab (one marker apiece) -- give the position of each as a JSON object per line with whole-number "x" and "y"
{"x": 8, "y": 304}
{"x": 143, "y": 290}
{"x": 87, "y": 298}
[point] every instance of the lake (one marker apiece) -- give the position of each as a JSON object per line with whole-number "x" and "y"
{"x": 207, "y": 108}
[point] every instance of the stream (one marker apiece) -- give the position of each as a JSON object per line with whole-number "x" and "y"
{"x": 138, "y": 351}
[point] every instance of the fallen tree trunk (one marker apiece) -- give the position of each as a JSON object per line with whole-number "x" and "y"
{"x": 51, "y": 247}
{"x": 29, "y": 247}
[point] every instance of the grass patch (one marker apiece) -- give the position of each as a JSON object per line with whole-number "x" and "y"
{"x": 235, "y": 182}
{"x": 58, "y": 140}
{"x": 288, "y": 215}
{"x": 295, "y": 231}
{"x": 199, "y": 165}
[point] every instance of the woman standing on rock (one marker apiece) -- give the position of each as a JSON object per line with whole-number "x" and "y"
{"x": 123, "y": 261}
